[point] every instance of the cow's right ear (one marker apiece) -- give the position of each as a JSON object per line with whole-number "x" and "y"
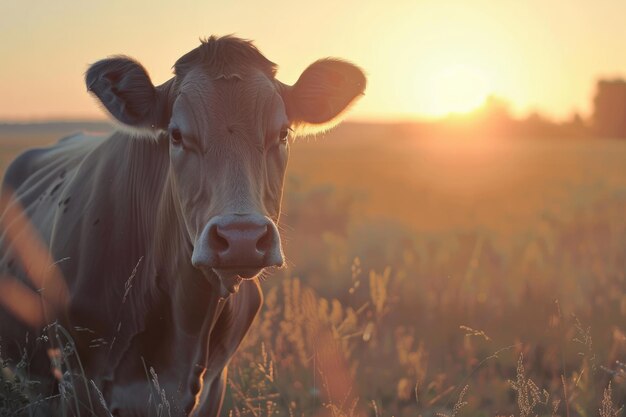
{"x": 322, "y": 94}
{"x": 124, "y": 88}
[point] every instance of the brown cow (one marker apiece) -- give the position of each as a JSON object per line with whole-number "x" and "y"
{"x": 160, "y": 229}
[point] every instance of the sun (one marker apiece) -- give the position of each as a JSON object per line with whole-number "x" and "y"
{"x": 456, "y": 89}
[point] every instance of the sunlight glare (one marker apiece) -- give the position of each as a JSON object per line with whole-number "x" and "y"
{"x": 457, "y": 89}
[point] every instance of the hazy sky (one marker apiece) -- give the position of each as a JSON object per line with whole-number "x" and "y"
{"x": 423, "y": 58}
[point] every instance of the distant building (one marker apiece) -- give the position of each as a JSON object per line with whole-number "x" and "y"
{"x": 609, "y": 108}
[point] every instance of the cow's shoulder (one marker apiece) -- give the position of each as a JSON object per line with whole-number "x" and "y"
{"x": 104, "y": 232}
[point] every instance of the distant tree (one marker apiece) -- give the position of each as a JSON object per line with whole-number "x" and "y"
{"x": 494, "y": 116}
{"x": 496, "y": 109}
{"x": 576, "y": 121}
{"x": 609, "y": 113}
{"x": 536, "y": 124}
{"x": 575, "y": 126}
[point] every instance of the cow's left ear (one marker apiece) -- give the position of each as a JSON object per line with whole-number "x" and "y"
{"x": 323, "y": 92}
{"x": 124, "y": 88}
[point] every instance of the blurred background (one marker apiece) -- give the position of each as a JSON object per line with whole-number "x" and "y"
{"x": 457, "y": 246}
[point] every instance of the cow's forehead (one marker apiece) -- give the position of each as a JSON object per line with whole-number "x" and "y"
{"x": 249, "y": 102}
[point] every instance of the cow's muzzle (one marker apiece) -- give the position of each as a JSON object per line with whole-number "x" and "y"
{"x": 238, "y": 246}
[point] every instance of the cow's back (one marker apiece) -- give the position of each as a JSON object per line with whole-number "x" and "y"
{"x": 34, "y": 183}
{"x": 35, "y": 164}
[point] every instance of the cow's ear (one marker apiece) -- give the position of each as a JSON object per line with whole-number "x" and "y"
{"x": 124, "y": 88}
{"x": 323, "y": 92}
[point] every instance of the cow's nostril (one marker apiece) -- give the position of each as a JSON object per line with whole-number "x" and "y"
{"x": 238, "y": 241}
{"x": 217, "y": 241}
{"x": 264, "y": 244}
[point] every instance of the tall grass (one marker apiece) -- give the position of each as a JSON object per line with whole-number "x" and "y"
{"x": 430, "y": 280}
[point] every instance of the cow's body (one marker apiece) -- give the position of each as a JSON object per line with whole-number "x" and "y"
{"x": 77, "y": 194}
{"x": 155, "y": 243}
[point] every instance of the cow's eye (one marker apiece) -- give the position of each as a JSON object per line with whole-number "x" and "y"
{"x": 176, "y": 137}
{"x": 284, "y": 135}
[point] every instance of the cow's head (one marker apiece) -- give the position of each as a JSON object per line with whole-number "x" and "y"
{"x": 228, "y": 121}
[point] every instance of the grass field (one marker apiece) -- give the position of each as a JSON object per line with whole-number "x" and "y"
{"x": 437, "y": 276}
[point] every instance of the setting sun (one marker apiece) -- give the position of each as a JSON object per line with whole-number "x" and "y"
{"x": 456, "y": 89}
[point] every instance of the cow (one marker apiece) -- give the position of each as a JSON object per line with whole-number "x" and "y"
{"x": 154, "y": 236}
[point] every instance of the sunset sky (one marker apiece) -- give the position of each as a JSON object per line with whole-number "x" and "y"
{"x": 424, "y": 59}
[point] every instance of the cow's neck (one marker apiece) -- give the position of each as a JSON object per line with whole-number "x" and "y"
{"x": 194, "y": 302}
{"x": 190, "y": 292}
{"x": 196, "y": 309}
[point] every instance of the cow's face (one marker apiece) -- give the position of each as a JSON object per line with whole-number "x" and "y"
{"x": 228, "y": 122}
{"x": 229, "y": 140}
